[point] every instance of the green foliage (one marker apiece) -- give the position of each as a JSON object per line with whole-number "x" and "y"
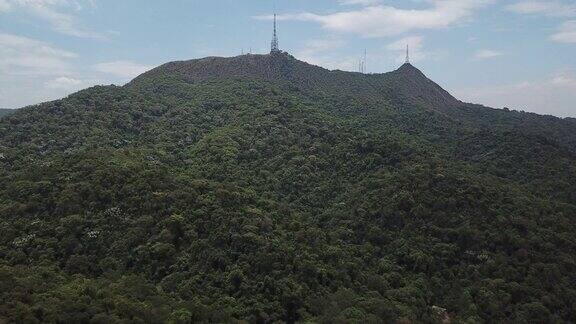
{"x": 201, "y": 192}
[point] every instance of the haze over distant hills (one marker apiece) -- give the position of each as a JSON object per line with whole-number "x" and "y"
{"x": 262, "y": 188}
{"x": 4, "y": 112}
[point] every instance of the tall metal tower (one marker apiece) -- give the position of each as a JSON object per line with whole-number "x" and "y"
{"x": 274, "y": 46}
{"x": 362, "y": 63}
{"x": 365, "y": 61}
{"x": 407, "y": 54}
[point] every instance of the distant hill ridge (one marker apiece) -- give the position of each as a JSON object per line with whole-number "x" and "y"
{"x": 4, "y": 112}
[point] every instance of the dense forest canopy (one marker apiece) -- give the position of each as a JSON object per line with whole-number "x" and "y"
{"x": 263, "y": 189}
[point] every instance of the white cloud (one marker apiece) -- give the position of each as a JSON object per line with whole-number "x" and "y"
{"x": 316, "y": 46}
{"x": 32, "y": 71}
{"x": 328, "y": 54}
{"x": 22, "y": 55}
{"x": 566, "y": 33}
{"x": 415, "y": 43}
{"x": 564, "y": 79}
{"x": 484, "y": 54}
{"x": 417, "y": 51}
{"x": 50, "y": 11}
{"x": 359, "y": 2}
{"x": 381, "y": 21}
{"x": 21, "y": 90}
{"x": 550, "y": 8}
{"x": 122, "y": 69}
{"x": 323, "y": 52}
{"x": 334, "y": 61}
{"x": 64, "y": 83}
{"x": 555, "y": 95}
{"x": 4, "y": 6}
{"x": 62, "y": 23}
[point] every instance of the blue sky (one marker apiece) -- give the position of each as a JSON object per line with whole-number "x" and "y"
{"x": 518, "y": 53}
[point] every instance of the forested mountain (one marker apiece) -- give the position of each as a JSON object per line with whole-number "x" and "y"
{"x": 4, "y": 112}
{"x": 263, "y": 189}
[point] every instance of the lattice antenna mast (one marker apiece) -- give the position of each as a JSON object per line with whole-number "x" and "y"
{"x": 275, "y": 48}
{"x": 407, "y": 54}
{"x": 365, "y": 62}
{"x": 362, "y": 63}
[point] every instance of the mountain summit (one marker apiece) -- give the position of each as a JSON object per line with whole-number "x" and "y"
{"x": 274, "y": 66}
{"x": 263, "y": 189}
{"x": 414, "y": 84}
{"x": 407, "y": 81}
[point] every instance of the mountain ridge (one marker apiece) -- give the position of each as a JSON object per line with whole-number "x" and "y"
{"x": 405, "y": 85}
{"x": 282, "y": 66}
{"x": 226, "y": 190}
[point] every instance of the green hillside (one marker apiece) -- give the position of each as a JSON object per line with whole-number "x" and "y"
{"x": 263, "y": 189}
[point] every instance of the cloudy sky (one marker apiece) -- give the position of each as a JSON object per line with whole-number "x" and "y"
{"x": 519, "y": 54}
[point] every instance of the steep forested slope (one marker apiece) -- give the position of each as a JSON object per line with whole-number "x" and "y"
{"x": 262, "y": 188}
